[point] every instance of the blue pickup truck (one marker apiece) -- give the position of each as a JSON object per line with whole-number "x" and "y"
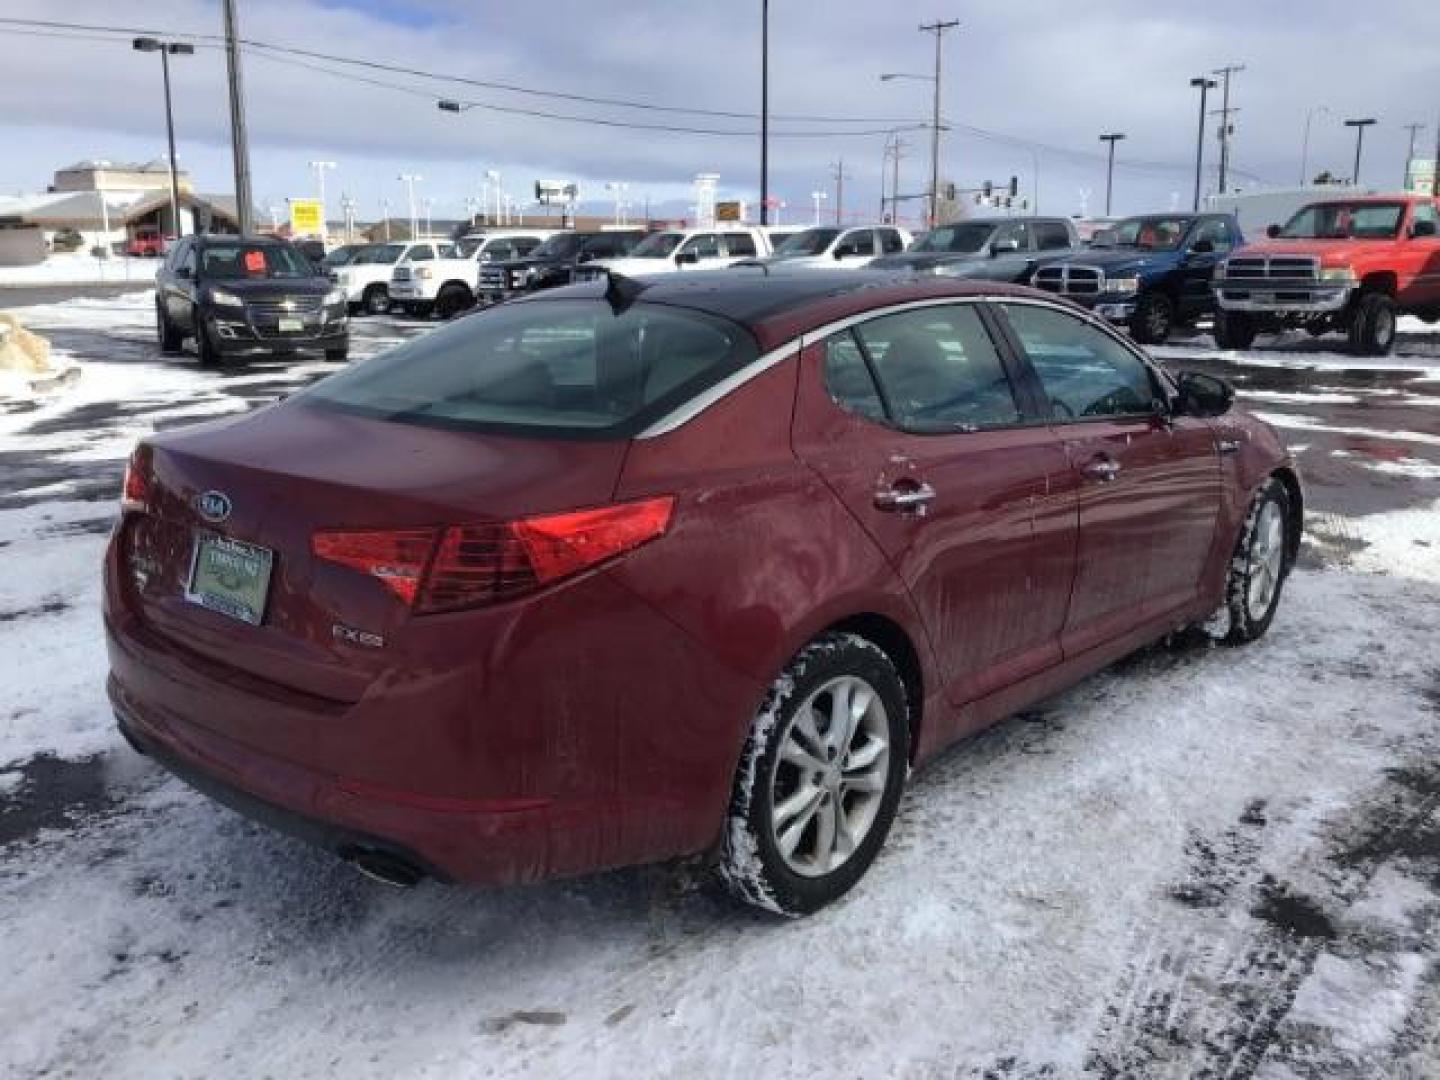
{"x": 1148, "y": 273}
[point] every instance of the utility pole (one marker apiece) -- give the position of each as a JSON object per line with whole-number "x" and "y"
{"x": 410, "y": 180}
{"x": 1305, "y": 143}
{"x": 839, "y": 168}
{"x": 320, "y": 167}
{"x": 1359, "y": 126}
{"x": 764, "y": 112}
{"x": 1226, "y": 128}
{"x": 239, "y": 144}
{"x": 1413, "y": 128}
{"x": 938, "y": 29}
{"x": 1112, "y": 138}
{"x": 1205, "y": 85}
{"x": 385, "y": 215}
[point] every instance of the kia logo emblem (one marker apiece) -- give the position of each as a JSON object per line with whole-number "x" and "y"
{"x": 213, "y": 506}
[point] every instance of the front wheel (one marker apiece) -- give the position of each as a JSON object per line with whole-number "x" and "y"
{"x": 376, "y": 300}
{"x": 171, "y": 339}
{"x": 205, "y": 350}
{"x": 1373, "y": 326}
{"x": 820, "y": 778}
{"x": 1153, "y": 320}
{"x": 1234, "y": 330}
{"x": 453, "y": 299}
{"x": 1258, "y": 568}
{"x": 337, "y": 356}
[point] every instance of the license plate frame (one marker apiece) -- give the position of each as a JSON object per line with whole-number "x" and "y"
{"x": 289, "y": 325}
{"x": 245, "y": 602}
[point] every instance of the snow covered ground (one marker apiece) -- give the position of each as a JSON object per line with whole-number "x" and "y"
{"x": 1203, "y": 862}
{"x": 80, "y": 269}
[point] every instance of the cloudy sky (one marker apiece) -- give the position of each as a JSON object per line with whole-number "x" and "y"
{"x": 1029, "y": 86}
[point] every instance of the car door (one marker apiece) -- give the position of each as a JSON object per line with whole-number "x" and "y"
{"x": 1149, "y": 483}
{"x": 739, "y": 245}
{"x": 180, "y": 287}
{"x": 855, "y": 247}
{"x": 1420, "y": 258}
{"x": 1210, "y": 240}
{"x": 913, "y": 420}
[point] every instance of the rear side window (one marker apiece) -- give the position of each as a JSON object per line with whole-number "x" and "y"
{"x": 566, "y": 368}
{"x": 847, "y": 378}
{"x": 1084, "y": 371}
{"x": 739, "y": 244}
{"x": 939, "y": 370}
{"x": 891, "y": 241}
{"x": 420, "y": 253}
{"x": 859, "y": 242}
{"x": 1050, "y": 235}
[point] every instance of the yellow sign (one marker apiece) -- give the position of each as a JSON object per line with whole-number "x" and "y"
{"x": 306, "y": 218}
{"x": 729, "y": 211}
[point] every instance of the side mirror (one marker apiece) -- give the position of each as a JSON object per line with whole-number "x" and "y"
{"x": 1202, "y": 247}
{"x": 1203, "y": 395}
{"x": 841, "y": 252}
{"x": 1272, "y": 231}
{"x": 1003, "y": 247}
{"x": 685, "y": 258}
{"x": 1422, "y": 228}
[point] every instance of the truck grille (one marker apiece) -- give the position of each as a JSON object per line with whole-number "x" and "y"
{"x": 1070, "y": 280}
{"x": 402, "y": 273}
{"x": 1271, "y": 267}
{"x": 492, "y": 277}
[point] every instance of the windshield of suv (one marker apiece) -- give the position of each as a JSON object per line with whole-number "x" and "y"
{"x": 379, "y": 253}
{"x": 967, "y": 237}
{"x": 568, "y": 368}
{"x": 1345, "y": 221}
{"x": 657, "y": 245}
{"x": 1149, "y": 233}
{"x": 809, "y": 242}
{"x": 559, "y": 246}
{"x": 343, "y": 255}
{"x": 229, "y": 262}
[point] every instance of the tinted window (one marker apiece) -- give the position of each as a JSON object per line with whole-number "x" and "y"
{"x": 525, "y": 245}
{"x": 1084, "y": 371}
{"x": 420, "y": 253}
{"x": 847, "y": 378}
{"x": 603, "y": 246}
{"x": 1050, "y": 235}
{"x": 1342, "y": 221}
{"x": 740, "y": 244}
{"x": 969, "y": 236}
{"x": 499, "y": 251}
{"x": 1017, "y": 231}
{"x": 859, "y": 242}
{"x": 1217, "y": 231}
{"x": 234, "y": 261}
{"x": 809, "y": 242}
{"x": 704, "y": 246}
{"x": 939, "y": 370}
{"x": 1150, "y": 233}
{"x": 1425, "y": 211}
{"x": 561, "y": 367}
{"x": 890, "y": 241}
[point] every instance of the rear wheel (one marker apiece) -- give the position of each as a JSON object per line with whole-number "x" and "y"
{"x": 820, "y": 778}
{"x": 1258, "y": 568}
{"x": 1372, "y": 329}
{"x": 1154, "y": 318}
{"x": 1235, "y": 330}
{"x": 171, "y": 339}
{"x": 376, "y": 300}
{"x": 453, "y": 299}
{"x": 338, "y": 356}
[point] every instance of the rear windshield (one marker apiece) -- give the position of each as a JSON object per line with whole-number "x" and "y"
{"x": 567, "y": 368}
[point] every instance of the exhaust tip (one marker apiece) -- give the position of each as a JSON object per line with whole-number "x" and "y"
{"x": 384, "y": 867}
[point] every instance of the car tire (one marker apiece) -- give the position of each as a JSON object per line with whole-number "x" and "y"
{"x": 1235, "y": 330}
{"x": 452, "y": 300}
{"x": 376, "y": 300}
{"x": 205, "y": 350}
{"x": 171, "y": 339}
{"x": 337, "y": 356}
{"x": 1258, "y": 568}
{"x": 1154, "y": 318}
{"x": 807, "y": 788}
{"x": 1372, "y": 329}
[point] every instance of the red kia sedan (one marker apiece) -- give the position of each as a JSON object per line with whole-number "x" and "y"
{"x": 632, "y": 570}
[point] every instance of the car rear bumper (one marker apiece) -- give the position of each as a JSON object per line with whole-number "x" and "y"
{"x": 1282, "y": 298}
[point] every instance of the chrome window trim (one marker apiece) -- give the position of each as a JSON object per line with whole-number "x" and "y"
{"x": 683, "y": 414}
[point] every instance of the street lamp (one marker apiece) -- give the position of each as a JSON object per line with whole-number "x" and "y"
{"x": 1359, "y": 126}
{"x": 818, "y": 197}
{"x": 320, "y": 167}
{"x": 410, "y": 180}
{"x": 167, "y": 49}
{"x": 1305, "y": 143}
{"x": 1205, "y": 85}
{"x": 1112, "y": 139}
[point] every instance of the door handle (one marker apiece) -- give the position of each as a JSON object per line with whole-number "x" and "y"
{"x": 905, "y": 498}
{"x": 1103, "y": 469}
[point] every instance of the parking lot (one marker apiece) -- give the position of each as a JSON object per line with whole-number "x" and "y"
{"x": 1198, "y": 863}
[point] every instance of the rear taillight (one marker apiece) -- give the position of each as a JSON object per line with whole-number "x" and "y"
{"x": 461, "y": 566}
{"x": 135, "y": 490}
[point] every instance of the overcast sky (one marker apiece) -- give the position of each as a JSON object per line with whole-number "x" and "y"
{"x": 1048, "y": 73}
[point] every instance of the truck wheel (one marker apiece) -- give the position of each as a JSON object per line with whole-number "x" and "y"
{"x": 453, "y": 299}
{"x": 1235, "y": 329}
{"x": 1153, "y": 319}
{"x": 1372, "y": 329}
{"x": 376, "y": 300}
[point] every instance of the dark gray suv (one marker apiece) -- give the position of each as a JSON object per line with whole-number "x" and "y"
{"x": 991, "y": 249}
{"x": 247, "y": 296}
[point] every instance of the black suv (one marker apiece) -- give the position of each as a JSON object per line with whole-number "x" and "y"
{"x": 243, "y": 296}
{"x": 552, "y": 262}
{"x": 993, "y": 249}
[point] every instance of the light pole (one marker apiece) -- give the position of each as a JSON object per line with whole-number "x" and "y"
{"x": 938, "y": 29}
{"x": 1205, "y": 85}
{"x": 1112, "y": 138}
{"x": 839, "y": 168}
{"x": 1226, "y": 128}
{"x": 618, "y": 189}
{"x": 817, "y": 197}
{"x": 764, "y": 111}
{"x": 494, "y": 177}
{"x": 428, "y": 203}
{"x": 167, "y": 49}
{"x": 410, "y": 180}
{"x": 1305, "y": 143}
{"x": 385, "y": 216}
{"x": 320, "y": 167}
{"x": 1359, "y": 126}
{"x": 1413, "y": 127}
{"x": 347, "y": 207}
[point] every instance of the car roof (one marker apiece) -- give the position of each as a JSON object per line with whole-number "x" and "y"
{"x": 776, "y": 306}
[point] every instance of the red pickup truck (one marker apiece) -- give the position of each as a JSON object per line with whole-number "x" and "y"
{"x": 1352, "y": 265}
{"x": 146, "y": 243}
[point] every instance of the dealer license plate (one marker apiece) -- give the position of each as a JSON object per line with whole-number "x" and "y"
{"x": 230, "y": 576}
{"x": 291, "y": 326}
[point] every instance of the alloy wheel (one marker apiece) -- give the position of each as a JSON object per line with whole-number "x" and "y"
{"x": 1267, "y": 555}
{"x": 830, "y": 776}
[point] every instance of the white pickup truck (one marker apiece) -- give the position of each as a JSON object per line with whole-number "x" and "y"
{"x": 447, "y": 286}
{"x": 675, "y": 250}
{"x": 366, "y": 278}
